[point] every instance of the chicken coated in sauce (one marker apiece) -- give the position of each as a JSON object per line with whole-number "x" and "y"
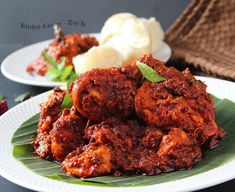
{"x": 128, "y": 148}
{"x": 179, "y": 101}
{"x": 102, "y": 93}
{"x": 133, "y": 128}
{"x": 68, "y": 46}
{"x": 178, "y": 150}
{"x": 50, "y": 111}
{"x": 67, "y": 134}
{"x": 59, "y": 132}
{"x": 90, "y": 161}
{"x": 110, "y": 144}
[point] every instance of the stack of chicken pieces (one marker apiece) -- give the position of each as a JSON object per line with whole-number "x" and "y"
{"x": 122, "y": 124}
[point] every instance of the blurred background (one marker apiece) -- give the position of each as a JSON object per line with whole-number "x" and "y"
{"x": 28, "y": 21}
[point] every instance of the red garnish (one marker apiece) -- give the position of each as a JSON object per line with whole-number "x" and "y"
{"x": 3, "y": 106}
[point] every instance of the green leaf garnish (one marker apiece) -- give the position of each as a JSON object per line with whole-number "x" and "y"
{"x": 58, "y": 71}
{"x": 52, "y": 74}
{"x": 20, "y": 98}
{"x": 49, "y": 59}
{"x": 72, "y": 79}
{"x": 66, "y": 73}
{"x": 148, "y": 73}
{"x": 66, "y": 103}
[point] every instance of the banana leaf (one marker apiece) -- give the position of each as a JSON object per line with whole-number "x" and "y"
{"x": 225, "y": 117}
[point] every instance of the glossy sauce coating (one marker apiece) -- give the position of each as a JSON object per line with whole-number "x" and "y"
{"x": 120, "y": 125}
{"x": 179, "y": 101}
{"x": 102, "y": 93}
{"x": 69, "y": 46}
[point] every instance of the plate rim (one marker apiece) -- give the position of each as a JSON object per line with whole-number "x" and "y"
{"x": 180, "y": 183}
{"x": 22, "y": 80}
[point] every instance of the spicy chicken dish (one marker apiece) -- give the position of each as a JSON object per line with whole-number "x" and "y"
{"x": 66, "y": 46}
{"x": 120, "y": 123}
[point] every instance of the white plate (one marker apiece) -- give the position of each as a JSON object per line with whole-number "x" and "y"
{"x": 14, "y": 66}
{"x": 16, "y": 172}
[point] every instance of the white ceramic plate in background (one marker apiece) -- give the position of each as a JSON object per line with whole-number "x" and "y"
{"x": 16, "y": 172}
{"x": 14, "y": 66}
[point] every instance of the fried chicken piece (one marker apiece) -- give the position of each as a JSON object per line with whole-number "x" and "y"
{"x": 102, "y": 93}
{"x": 179, "y": 101}
{"x": 182, "y": 84}
{"x": 178, "y": 150}
{"x": 93, "y": 161}
{"x": 152, "y": 137}
{"x": 58, "y": 133}
{"x": 66, "y": 134}
{"x": 68, "y": 46}
{"x": 42, "y": 146}
{"x": 122, "y": 150}
{"x": 50, "y": 111}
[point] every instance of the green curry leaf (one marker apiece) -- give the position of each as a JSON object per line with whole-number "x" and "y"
{"x": 20, "y": 98}
{"x": 148, "y": 73}
{"x": 58, "y": 71}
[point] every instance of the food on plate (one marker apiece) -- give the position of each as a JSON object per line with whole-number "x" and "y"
{"x": 113, "y": 25}
{"x": 50, "y": 112}
{"x": 133, "y": 42}
{"x": 123, "y": 38}
{"x": 66, "y": 46}
{"x": 66, "y": 134}
{"x": 97, "y": 57}
{"x": 155, "y": 31}
{"x": 101, "y": 93}
{"x": 129, "y": 120}
{"x": 132, "y": 36}
{"x": 180, "y": 100}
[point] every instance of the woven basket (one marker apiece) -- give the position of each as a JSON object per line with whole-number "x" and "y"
{"x": 204, "y": 36}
